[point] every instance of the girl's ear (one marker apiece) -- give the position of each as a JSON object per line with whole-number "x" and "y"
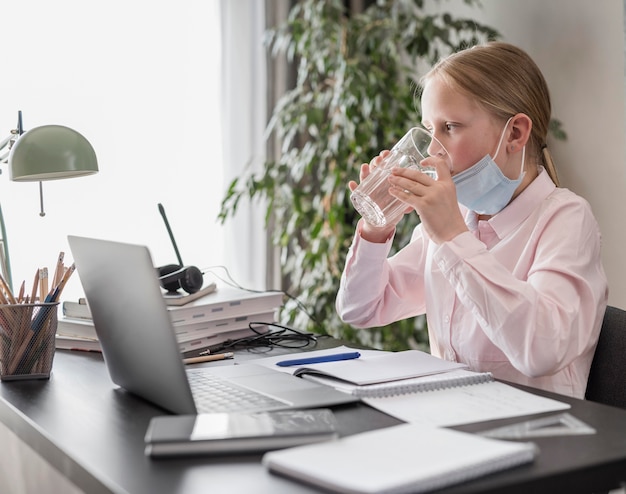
{"x": 520, "y": 132}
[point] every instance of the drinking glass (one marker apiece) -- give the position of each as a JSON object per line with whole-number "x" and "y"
{"x": 372, "y": 199}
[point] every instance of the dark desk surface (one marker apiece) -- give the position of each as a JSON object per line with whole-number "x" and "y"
{"x": 92, "y": 432}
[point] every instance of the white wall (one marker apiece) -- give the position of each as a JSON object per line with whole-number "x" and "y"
{"x": 579, "y": 46}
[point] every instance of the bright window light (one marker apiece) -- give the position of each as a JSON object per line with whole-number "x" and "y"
{"x": 141, "y": 81}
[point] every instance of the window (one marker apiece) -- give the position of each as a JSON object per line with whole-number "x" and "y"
{"x": 141, "y": 81}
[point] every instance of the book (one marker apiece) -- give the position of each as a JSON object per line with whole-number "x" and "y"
{"x": 68, "y": 342}
{"x": 224, "y": 303}
{"x": 188, "y": 347}
{"x": 406, "y": 458}
{"x": 71, "y": 332}
{"x": 369, "y": 368}
{"x": 83, "y": 328}
{"x": 237, "y": 432}
{"x": 433, "y": 382}
{"x": 199, "y": 330}
{"x": 217, "y": 340}
{"x": 76, "y": 309}
{"x": 80, "y": 309}
{"x": 221, "y": 303}
{"x": 485, "y": 399}
{"x": 182, "y": 298}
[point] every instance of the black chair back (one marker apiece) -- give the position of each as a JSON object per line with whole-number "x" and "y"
{"x": 607, "y": 379}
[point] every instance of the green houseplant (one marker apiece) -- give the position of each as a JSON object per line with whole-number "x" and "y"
{"x": 355, "y": 94}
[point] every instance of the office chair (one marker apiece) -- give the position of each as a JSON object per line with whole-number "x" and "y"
{"x": 607, "y": 379}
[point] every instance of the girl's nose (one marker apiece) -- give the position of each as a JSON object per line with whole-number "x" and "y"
{"x": 435, "y": 148}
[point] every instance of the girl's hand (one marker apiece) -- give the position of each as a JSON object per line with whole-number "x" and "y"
{"x": 434, "y": 200}
{"x": 367, "y": 168}
{"x": 367, "y": 231}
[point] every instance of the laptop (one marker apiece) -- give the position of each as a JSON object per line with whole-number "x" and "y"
{"x": 141, "y": 352}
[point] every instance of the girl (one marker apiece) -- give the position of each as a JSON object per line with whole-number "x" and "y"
{"x": 505, "y": 264}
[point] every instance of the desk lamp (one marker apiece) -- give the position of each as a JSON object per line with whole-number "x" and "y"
{"x": 49, "y": 152}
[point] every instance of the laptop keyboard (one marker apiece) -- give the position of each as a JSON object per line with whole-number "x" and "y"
{"x": 213, "y": 395}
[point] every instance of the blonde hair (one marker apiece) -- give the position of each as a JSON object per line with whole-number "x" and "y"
{"x": 505, "y": 81}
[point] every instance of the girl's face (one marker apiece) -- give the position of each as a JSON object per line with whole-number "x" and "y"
{"x": 466, "y": 131}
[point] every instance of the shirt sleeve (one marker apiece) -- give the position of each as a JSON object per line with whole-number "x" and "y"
{"x": 376, "y": 290}
{"x": 542, "y": 315}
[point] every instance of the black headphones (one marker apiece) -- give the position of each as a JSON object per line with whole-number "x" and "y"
{"x": 174, "y": 277}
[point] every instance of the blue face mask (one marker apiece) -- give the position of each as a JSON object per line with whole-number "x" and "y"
{"x": 483, "y": 188}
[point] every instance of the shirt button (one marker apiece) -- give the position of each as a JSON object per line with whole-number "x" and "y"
{"x": 450, "y": 356}
{"x": 446, "y": 319}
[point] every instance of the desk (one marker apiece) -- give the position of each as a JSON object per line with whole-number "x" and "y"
{"x": 92, "y": 433}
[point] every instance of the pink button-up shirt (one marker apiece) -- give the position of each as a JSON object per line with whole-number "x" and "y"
{"x": 521, "y": 295}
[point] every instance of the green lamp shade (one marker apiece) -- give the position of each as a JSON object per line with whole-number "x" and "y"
{"x": 51, "y": 152}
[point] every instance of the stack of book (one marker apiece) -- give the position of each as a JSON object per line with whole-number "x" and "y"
{"x": 205, "y": 322}
{"x": 76, "y": 334}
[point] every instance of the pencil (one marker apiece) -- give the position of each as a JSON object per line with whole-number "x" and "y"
{"x": 20, "y": 297}
{"x": 58, "y": 270}
{"x": 33, "y": 295}
{"x": 43, "y": 283}
{"x": 208, "y": 358}
{"x": 7, "y": 291}
{"x": 56, "y": 293}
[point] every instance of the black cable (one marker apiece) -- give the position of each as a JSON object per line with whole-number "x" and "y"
{"x": 264, "y": 341}
{"x": 231, "y": 282}
{"x": 261, "y": 342}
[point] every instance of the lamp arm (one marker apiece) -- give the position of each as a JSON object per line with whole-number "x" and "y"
{"x": 5, "y": 262}
{"x": 3, "y": 144}
{"x": 6, "y": 141}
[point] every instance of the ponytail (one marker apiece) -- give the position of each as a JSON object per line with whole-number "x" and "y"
{"x": 549, "y": 162}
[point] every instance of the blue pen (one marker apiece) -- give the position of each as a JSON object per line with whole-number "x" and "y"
{"x": 318, "y": 360}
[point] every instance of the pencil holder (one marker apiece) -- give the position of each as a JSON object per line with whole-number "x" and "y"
{"x": 27, "y": 340}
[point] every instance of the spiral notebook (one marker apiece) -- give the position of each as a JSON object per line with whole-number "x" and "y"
{"x": 406, "y": 458}
{"x": 465, "y": 404}
{"x": 433, "y": 382}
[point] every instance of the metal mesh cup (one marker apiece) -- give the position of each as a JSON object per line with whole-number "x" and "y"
{"x": 27, "y": 340}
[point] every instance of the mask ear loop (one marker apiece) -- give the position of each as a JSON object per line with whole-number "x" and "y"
{"x": 502, "y": 137}
{"x": 522, "y": 172}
